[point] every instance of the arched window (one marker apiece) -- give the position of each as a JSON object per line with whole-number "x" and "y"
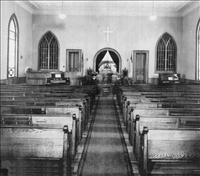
{"x": 13, "y": 43}
{"x": 166, "y": 54}
{"x": 48, "y": 51}
{"x": 198, "y": 51}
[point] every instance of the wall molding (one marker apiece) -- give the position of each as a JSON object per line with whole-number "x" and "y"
{"x": 92, "y": 10}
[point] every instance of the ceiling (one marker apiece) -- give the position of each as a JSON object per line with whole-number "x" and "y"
{"x": 106, "y": 8}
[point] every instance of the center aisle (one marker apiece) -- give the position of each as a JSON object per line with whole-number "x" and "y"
{"x": 105, "y": 153}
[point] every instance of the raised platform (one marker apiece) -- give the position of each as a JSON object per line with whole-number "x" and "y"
{"x": 46, "y": 77}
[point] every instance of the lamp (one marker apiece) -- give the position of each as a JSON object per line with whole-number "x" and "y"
{"x": 61, "y": 15}
{"x": 153, "y": 17}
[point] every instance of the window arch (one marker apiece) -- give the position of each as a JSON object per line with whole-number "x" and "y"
{"x": 198, "y": 51}
{"x": 166, "y": 54}
{"x": 48, "y": 51}
{"x": 13, "y": 44}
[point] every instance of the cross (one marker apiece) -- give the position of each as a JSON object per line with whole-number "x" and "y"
{"x": 107, "y": 32}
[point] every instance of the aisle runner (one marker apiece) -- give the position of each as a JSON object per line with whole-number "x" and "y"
{"x": 105, "y": 155}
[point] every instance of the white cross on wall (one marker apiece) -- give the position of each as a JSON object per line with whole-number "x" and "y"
{"x": 107, "y": 33}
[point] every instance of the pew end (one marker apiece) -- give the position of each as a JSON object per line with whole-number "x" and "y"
{"x": 175, "y": 150}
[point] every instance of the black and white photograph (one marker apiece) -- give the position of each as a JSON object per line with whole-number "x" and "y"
{"x": 100, "y": 88}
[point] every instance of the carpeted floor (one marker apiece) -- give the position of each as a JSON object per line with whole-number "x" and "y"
{"x": 105, "y": 154}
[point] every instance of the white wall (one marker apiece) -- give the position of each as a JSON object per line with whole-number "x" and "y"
{"x": 86, "y": 33}
{"x": 25, "y": 36}
{"x": 188, "y": 56}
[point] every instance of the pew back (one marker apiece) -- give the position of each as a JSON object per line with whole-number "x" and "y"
{"x": 173, "y": 146}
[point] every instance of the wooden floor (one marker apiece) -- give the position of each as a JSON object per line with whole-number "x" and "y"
{"x": 105, "y": 154}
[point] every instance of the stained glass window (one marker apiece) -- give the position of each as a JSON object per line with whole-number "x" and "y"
{"x": 166, "y": 54}
{"x": 48, "y": 52}
{"x": 13, "y": 38}
{"x": 198, "y": 51}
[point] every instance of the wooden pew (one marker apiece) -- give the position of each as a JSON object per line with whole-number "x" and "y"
{"x": 160, "y": 122}
{"x": 82, "y": 105}
{"x": 39, "y": 100}
{"x": 35, "y": 151}
{"x": 178, "y": 101}
{"x": 78, "y": 102}
{"x": 46, "y": 95}
{"x": 181, "y": 100}
{"x": 16, "y": 91}
{"x": 46, "y": 121}
{"x": 36, "y": 98}
{"x": 73, "y": 106}
{"x": 142, "y": 105}
{"x": 154, "y": 112}
{"x": 159, "y": 96}
{"x": 147, "y": 105}
{"x": 49, "y": 110}
{"x": 138, "y": 101}
{"x": 141, "y": 101}
{"x": 165, "y": 105}
{"x": 150, "y": 87}
{"x": 42, "y": 120}
{"x": 170, "y": 152}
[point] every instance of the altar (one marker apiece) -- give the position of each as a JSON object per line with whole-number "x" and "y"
{"x": 107, "y": 70}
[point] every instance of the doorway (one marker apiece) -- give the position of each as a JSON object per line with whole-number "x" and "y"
{"x": 114, "y": 55}
{"x": 140, "y": 66}
{"x": 107, "y": 64}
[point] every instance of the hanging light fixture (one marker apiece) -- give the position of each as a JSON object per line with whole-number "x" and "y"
{"x": 62, "y": 15}
{"x": 153, "y": 16}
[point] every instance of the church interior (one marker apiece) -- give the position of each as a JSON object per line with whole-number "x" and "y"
{"x": 100, "y": 88}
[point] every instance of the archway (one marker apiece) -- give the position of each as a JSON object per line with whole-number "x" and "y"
{"x": 114, "y": 55}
